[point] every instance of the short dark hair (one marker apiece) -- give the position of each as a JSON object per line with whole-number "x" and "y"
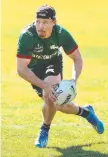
{"x": 46, "y": 12}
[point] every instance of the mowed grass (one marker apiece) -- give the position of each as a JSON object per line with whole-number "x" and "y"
{"x": 70, "y": 136}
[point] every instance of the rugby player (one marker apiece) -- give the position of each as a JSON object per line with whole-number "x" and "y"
{"x": 39, "y": 61}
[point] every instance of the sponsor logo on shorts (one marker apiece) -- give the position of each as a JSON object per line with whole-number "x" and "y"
{"x": 49, "y": 70}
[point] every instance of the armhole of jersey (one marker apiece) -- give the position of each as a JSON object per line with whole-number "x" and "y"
{"x": 72, "y": 50}
{"x": 23, "y": 56}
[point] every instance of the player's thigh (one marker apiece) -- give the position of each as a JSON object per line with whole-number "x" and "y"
{"x": 39, "y": 71}
{"x": 53, "y": 72}
{"x": 53, "y": 79}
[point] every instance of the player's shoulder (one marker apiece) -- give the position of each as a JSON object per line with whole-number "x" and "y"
{"x": 60, "y": 30}
{"x": 27, "y": 32}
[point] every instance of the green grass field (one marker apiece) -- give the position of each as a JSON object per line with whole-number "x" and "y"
{"x": 70, "y": 136}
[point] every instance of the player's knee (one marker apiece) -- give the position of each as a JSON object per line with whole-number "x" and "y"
{"x": 58, "y": 108}
{"x": 62, "y": 107}
{"x": 48, "y": 102}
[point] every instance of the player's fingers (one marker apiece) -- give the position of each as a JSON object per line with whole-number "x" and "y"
{"x": 52, "y": 98}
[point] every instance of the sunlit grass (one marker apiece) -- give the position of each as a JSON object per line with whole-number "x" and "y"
{"x": 70, "y": 136}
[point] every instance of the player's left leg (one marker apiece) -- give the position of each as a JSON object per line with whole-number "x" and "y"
{"x": 48, "y": 110}
{"x": 53, "y": 73}
{"x": 86, "y": 112}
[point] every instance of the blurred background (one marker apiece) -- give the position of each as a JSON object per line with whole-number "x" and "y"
{"x": 87, "y": 21}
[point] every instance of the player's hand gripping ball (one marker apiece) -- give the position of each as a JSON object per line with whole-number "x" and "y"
{"x": 65, "y": 92}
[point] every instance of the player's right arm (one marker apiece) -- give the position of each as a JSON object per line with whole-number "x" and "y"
{"x": 27, "y": 74}
{"x": 24, "y": 56}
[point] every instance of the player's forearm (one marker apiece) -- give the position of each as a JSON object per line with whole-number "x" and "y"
{"x": 76, "y": 69}
{"x": 29, "y": 76}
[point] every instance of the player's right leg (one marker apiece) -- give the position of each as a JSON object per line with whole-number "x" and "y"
{"x": 51, "y": 73}
{"x": 42, "y": 139}
{"x": 49, "y": 110}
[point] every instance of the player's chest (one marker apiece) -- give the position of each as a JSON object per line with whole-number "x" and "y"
{"x": 48, "y": 46}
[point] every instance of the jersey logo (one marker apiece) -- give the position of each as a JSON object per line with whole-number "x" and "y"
{"x": 60, "y": 30}
{"x": 30, "y": 33}
{"x": 52, "y": 47}
{"x": 44, "y": 57}
{"x": 38, "y": 48}
{"x": 50, "y": 66}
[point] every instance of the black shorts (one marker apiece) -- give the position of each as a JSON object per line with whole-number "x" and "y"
{"x": 52, "y": 68}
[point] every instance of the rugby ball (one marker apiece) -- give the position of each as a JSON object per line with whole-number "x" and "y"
{"x": 64, "y": 92}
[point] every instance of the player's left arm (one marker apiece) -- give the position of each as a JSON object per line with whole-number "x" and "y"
{"x": 71, "y": 49}
{"x": 77, "y": 64}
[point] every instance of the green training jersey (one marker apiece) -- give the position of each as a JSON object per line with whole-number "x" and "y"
{"x": 39, "y": 50}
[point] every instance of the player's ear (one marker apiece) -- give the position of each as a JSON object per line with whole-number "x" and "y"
{"x": 54, "y": 22}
